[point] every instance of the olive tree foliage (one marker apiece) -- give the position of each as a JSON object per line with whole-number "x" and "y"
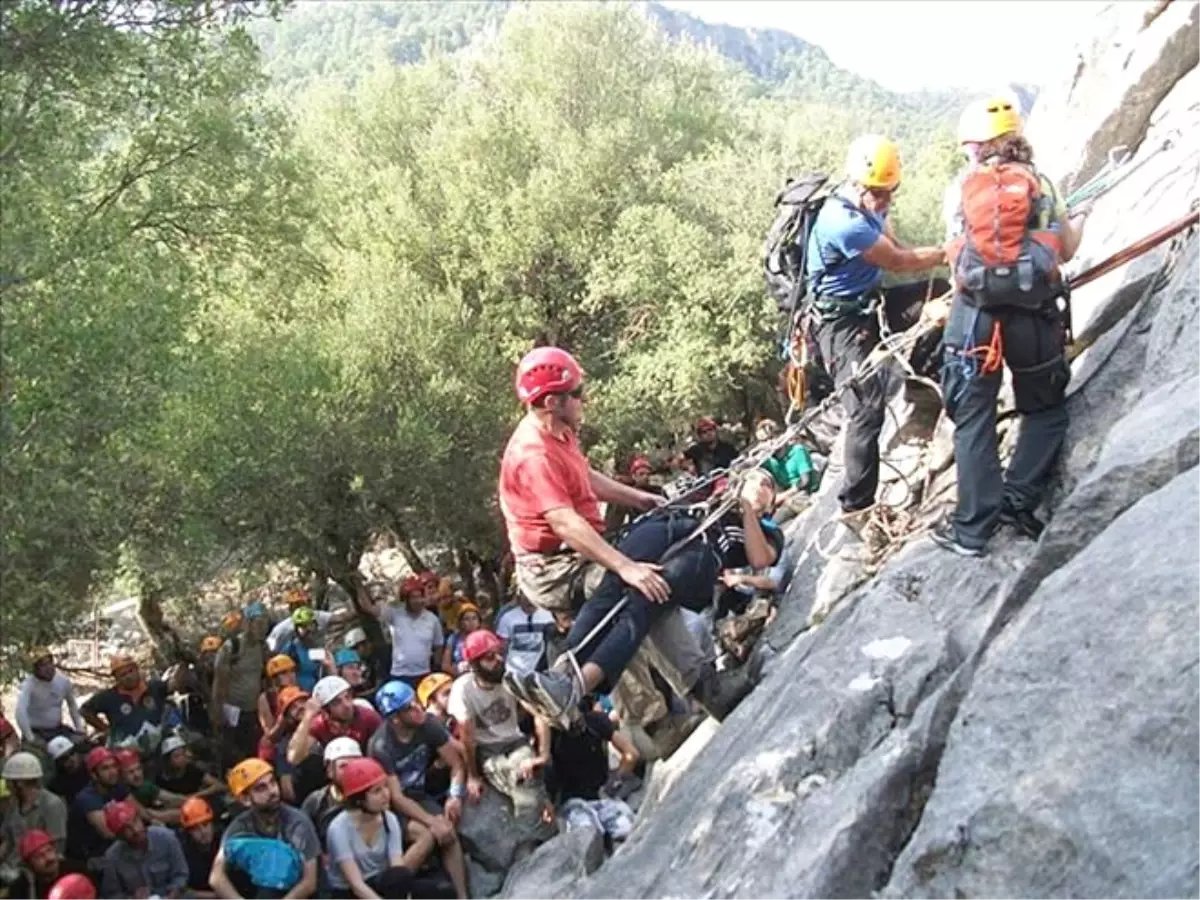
{"x": 138, "y": 170}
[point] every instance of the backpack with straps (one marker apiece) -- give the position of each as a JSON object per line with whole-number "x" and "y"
{"x": 786, "y": 244}
{"x": 1005, "y": 256}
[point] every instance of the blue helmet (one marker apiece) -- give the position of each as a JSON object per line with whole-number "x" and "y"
{"x": 346, "y": 656}
{"x": 393, "y": 697}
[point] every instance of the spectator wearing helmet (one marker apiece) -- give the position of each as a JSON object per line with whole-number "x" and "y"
{"x": 321, "y": 806}
{"x": 134, "y": 709}
{"x": 70, "y": 775}
{"x": 41, "y": 698}
{"x": 285, "y": 630}
{"x": 180, "y": 775}
{"x": 469, "y": 619}
{"x": 42, "y": 865}
{"x": 356, "y": 639}
{"x": 708, "y": 451}
{"x": 141, "y": 861}
{"x": 237, "y": 682}
{"x": 88, "y": 836}
{"x": 616, "y": 516}
{"x": 434, "y": 694}
{"x": 1001, "y": 200}
{"x": 350, "y": 666}
{"x": 303, "y": 647}
{"x": 32, "y": 807}
{"x": 850, "y": 247}
{"x": 298, "y": 779}
{"x": 332, "y": 713}
{"x": 550, "y": 498}
{"x": 406, "y": 744}
{"x": 270, "y": 849}
{"x": 416, "y": 631}
{"x": 200, "y": 841}
{"x": 160, "y": 806}
{"x": 492, "y": 740}
{"x": 281, "y": 672}
{"x": 366, "y": 854}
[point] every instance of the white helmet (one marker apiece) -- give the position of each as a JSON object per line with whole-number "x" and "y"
{"x": 330, "y": 688}
{"x": 342, "y": 748}
{"x": 173, "y": 743}
{"x": 60, "y": 747}
{"x": 22, "y": 766}
{"x": 354, "y": 637}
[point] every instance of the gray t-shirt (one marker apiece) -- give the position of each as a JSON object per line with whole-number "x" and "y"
{"x": 49, "y": 813}
{"x": 493, "y": 710}
{"x": 345, "y": 843}
{"x": 161, "y": 867}
{"x": 245, "y": 671}
{"x": 413, "y": 640}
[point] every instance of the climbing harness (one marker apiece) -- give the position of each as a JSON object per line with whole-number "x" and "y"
{"x": 972, "y": 360}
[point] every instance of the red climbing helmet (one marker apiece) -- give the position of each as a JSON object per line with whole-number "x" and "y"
{"x": 547, "y": 370}
{"x": 118, "y": 815}
{"x": 480, "y": 642}
{"x": 360, "y": 775}
{"x": 73, "y": 887}
{"x": 97, "y": 757}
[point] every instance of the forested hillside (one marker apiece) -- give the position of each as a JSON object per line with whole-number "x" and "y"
{"x": 253, "y": 325}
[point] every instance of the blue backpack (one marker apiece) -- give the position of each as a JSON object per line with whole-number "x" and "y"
{"x": 271, "y": 864}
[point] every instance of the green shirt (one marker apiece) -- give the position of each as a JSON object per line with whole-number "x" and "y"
{"x": 788, "y": 471}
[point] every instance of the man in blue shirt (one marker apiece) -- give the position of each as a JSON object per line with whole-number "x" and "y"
{"x": 850, "y": 247}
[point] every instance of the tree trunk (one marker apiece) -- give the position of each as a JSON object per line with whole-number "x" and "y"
{"x": 464, "y": 562}
{"x": 407, "y": 550}
{"x": 168, "y": 646}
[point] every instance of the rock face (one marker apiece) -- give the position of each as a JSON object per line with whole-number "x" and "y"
{"x": 1025, "y": 724}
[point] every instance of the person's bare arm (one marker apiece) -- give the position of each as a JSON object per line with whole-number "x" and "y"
{"x": 307, "y": 885}
{"x": 405, "y": 806}
{"x": 580, "y": 536}
{"x": 301, "y": 742}
{"x": 218, "y": 878}
{"x": 629, "y": 753}
{"x": 892, "y": 257}
{"x": 1072, "y": 235}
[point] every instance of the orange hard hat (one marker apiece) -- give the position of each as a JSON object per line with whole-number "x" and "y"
{"x": 246, "y": 774}
{"x": 211, "y": 643}
{"x": 119, "y": 662}
{"x": 279, "y": 664}
{"x": 195, "y": 811}
{"x": 232, "y": 620}
{"x": 289, "y": 695}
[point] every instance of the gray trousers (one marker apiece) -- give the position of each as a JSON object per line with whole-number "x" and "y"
{"x": 1033, "y": 351}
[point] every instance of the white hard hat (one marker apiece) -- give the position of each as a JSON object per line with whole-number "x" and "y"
{"x": 22, "y": 766}
{"x": 342, "y": 748}
{"x": 329, "y": 688}
{"x": 60, "y": 747}
{"x": 173, "y": 743}
{"x": 354, "y": 637}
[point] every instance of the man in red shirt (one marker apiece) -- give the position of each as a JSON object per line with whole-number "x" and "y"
{"x": 332, "y": 712}
{"x": 550, "y": 495}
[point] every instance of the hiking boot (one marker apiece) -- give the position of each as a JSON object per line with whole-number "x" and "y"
{"x": 865, "y": 538}
{"x": 943, "y": 535}
{"x": 720, "y": 692}
{"x": 1023, "y": 521}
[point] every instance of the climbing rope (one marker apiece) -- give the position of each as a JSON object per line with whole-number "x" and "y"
{"x": 1116, "y": 170}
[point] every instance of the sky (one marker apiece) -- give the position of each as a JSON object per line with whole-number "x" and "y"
{"x": 912, "y": 44}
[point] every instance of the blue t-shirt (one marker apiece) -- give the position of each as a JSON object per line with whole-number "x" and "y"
{"x": 833, "y": 260}
{"x": 308, "y": 670}
{"x": 84, "y": 841}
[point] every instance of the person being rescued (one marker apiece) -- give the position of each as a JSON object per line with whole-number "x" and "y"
{"x": 550, "y": 498}
{"x": 850, "y": 247}
{"x": 746, "y": 538}
{"x": 1008, "y": 236}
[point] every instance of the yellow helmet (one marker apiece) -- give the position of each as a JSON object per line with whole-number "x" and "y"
{"x": 430, "y": 685}
{"x": 243, "y": 776}
{"x": 987, "y": 119}
{"x": 37, "y": 654}
{"x": 279, "y": 664}
{"x": 873, "y": 161}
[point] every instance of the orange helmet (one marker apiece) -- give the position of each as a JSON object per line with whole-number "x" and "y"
{"x": 873, "y": 161}
{"x": 119, "y": 662}
{"x": 279, "y": 664}
{"x": 430, "y": 685}
{"x": 296, "y": 596}
{"x": 231, "y": 621}
{"x": 289, "y": 695}
{"x": 195, "y": 811}
{"x": 210, "y": 643}
{"x": 245, "y": 774}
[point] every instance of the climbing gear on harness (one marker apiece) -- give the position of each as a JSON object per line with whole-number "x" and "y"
{"x": 1119, "y": 166}
{"x": 985, "y": 120}
{"x": 547, "y": 370}
{"x": 873, "y": 161}
{"x": 972, "y": 360}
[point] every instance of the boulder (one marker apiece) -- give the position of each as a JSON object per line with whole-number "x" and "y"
{"x": 552, "y": 869}
{"x": 1072, "y": 767}
{"x": 483, "y": 882}
{"x": 491, "y": 835}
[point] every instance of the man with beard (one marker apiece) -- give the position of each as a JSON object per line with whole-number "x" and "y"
{"x": 493, "y": 742}
{"x": 405, "y": 745}
{"x": 41, "y": 699}
{"x": 271, "y": 849}
{"x": 332, "y": 713}
{"x": 87, "y": 833}
{"x": 416, "y": 632}
{"x": 237, "y": 682}
{"x": 70, "y": 775}
{"x": 141, "y": 862}
{"x": 709, "y": 452}
{"x": 134, "y": 708}
{"x": 41, "y": 866}
{"x": 199, "y": 839}
{"x": 33, "y": 806}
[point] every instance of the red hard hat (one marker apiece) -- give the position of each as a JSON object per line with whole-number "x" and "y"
{"x": 640, "y": 463}
{"x": 127, "y": 757}
{"x": 705, "y": 422}
{"x": 73, "y": 887}
{"x": 429, "y": 577}
{"x": 411, "y": 585}
{"x": 97, "y": 757}
{"x": 119, "y": 814}
{"x": 480, "y": 642}
{"x": 33, "y": 841}
{"x": 547, "y": 370}
{"x": 359, "y": 775}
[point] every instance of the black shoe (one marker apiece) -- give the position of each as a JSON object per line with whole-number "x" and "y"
{"x": 944, "y": 536}
{"x": 720, "y": 692}
{"x": 1023, "y": 521}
